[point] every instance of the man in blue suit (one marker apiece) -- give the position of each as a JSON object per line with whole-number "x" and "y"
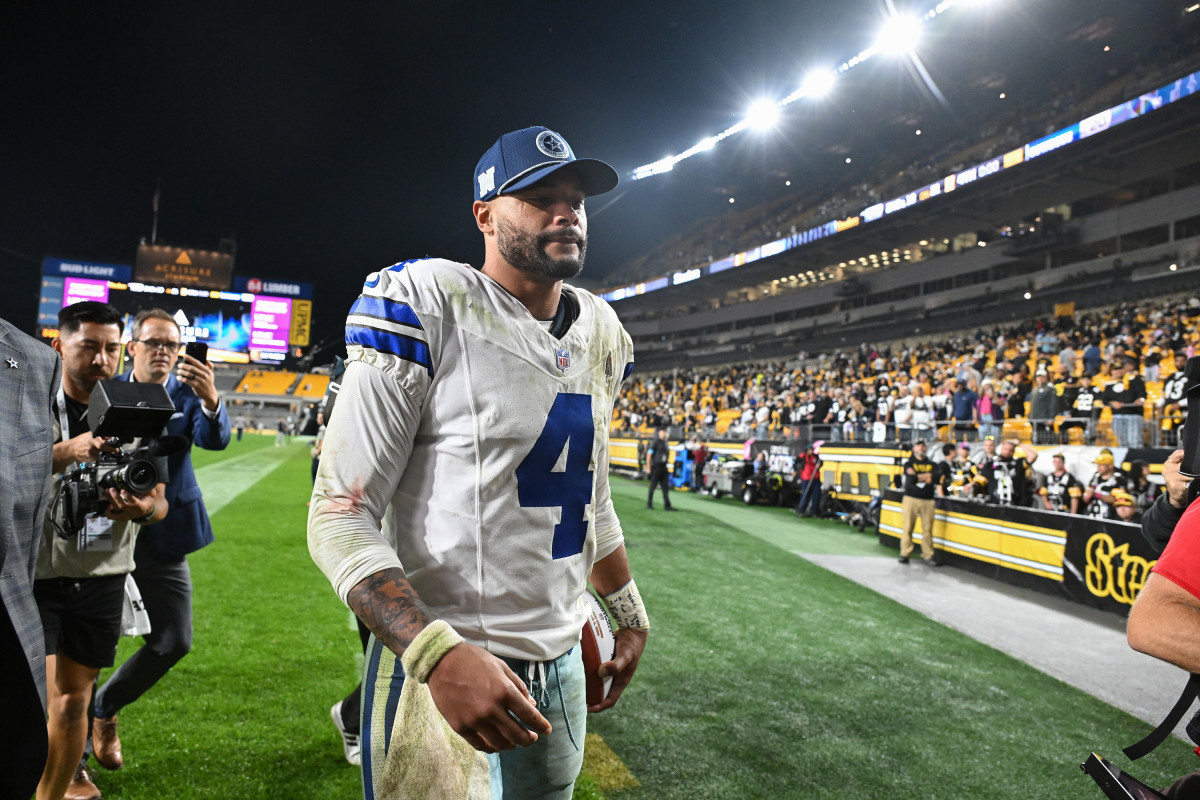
{"x": 161, "y": 571}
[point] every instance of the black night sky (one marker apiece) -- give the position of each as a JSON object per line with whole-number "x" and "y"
{"x": 333, "y": 139}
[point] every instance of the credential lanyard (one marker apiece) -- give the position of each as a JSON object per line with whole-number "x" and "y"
{"x": 63, "y": 418}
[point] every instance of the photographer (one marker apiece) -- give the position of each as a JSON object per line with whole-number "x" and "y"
{"x": 162, "y": 572}
{"x": 80, "y": 585}
{"x": 1165, "y": 619}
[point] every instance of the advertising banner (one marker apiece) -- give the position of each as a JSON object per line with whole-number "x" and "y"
{"x": 177, "y": 266}
{"x": 1099, "y": 563}
{"x": 96, "y": 270}
{"x": 273, "y": 287}
{"x": 301, "y": 323}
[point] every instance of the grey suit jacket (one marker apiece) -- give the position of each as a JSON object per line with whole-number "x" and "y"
{"x": 30, "y": 374}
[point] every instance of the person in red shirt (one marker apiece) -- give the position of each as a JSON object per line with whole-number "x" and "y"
{"x": 1165, "y": 619}
{"x": 808, "y": 471}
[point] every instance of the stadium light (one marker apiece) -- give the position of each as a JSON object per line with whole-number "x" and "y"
{"x": 762, "y": 115}
{"x": 817, "y": 83}
{"x": 900, "y": 35}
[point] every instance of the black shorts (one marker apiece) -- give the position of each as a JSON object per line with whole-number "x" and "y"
{"x": 81, "y": 617}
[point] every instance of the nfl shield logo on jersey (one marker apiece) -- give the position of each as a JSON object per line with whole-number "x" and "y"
{"x": 563, "y": 358}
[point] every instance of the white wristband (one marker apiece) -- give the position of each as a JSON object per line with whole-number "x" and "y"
{"x": 627, "y": 608}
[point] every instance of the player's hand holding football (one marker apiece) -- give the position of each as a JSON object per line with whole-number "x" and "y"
{"x": 626, "y": 654}
{"x": 475, "y": 691}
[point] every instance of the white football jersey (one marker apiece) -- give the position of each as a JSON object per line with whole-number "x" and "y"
{"x": 470, "y": 447}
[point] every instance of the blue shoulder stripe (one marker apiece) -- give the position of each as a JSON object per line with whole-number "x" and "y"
{"x": 395, "y": 344}
{"x": 628, "y": 370}
{"x": 382, "y": 308}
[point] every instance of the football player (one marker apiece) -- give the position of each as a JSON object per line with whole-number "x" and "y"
{"x": 462, "y": 503}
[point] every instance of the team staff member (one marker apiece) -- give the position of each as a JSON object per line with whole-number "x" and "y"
{"x": 919, "y": 488}
{"x": 1062, "y": 490}
{"x": 80, "y": 586}
{"x": 162, "y": 572}
{"x": 657, "y": 455}
{"x": 472, "y": 428}
{"x": 27, "y": 400}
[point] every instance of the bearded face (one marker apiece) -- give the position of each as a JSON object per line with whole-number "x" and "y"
{"x": 529, "y": 252}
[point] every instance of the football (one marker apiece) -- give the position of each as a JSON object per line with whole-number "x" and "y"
{"x": 598, "y": 643}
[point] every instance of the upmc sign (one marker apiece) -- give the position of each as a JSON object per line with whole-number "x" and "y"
{"x": 273, "y": 287}
{"x": 176, "y": 266}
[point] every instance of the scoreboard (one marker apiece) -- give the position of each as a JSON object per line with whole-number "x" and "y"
{"x": 238, "y": 326}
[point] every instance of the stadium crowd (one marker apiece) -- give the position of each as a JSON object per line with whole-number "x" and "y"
{"x": 1107, "y": 377}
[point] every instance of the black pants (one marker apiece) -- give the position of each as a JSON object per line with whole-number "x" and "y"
{"x": 23, "y": 735}
{"x": 659, "y": 477}
{"x": 166, "y": 587}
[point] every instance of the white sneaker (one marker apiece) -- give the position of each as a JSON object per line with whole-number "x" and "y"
{"x": 349, "y": 740}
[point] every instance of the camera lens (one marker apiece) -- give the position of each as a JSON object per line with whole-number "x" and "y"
{"x": 138, "y": 475}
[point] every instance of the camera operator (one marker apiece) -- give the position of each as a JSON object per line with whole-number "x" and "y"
{"x": 162, "y": 572}
{"x": 80, "y": 585}
{"x": 1165, "y": 619}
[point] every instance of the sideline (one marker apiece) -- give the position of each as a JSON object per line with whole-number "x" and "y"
{"x": 1080, "y": 646}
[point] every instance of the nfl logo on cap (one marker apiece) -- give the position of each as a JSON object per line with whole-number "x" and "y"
{"x": 562, "y": 357}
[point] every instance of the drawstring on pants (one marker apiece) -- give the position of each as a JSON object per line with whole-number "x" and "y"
{"x": 535, "y": 677}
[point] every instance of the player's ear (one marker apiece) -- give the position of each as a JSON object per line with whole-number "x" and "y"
{"x": 484, "y": 219}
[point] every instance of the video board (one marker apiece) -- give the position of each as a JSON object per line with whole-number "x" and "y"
{"x": 237, "y": 326}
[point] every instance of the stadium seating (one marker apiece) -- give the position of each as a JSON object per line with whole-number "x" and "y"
{"x": 311, "y": 386}
{"x": 1151, "y": 330}
{"x": 266, "y": 383}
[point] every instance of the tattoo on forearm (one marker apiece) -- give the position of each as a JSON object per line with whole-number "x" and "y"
{"x": 387, "y": 604}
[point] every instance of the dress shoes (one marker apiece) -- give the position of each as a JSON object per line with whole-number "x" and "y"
{"x": 81, "y": 786}
{"x": 106, "y": 745}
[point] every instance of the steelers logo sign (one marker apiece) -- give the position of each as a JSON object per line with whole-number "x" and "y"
{"x": 552, "y": 145}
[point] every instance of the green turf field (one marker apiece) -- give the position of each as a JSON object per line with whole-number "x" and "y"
{"x": 765, "y": 676}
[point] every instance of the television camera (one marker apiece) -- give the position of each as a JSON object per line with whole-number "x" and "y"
{"x": 132, "y": 417}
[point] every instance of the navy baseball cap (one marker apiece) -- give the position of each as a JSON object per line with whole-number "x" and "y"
{"x": 522, "y": 158}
